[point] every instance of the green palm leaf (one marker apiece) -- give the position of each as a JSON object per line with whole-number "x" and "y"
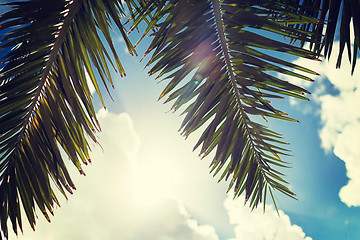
{"x": 46, "y": 104}
{"x": 218, "y": 57}
{"x": 212, "y": 54}
{"x": 341, "y": 16}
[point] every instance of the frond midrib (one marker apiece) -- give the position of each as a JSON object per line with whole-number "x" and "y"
{"x": 68, "y": 19}
{"x": 220, "y": 31}
{"x": 233, "y": 84}
{"x": 224, "y": 47}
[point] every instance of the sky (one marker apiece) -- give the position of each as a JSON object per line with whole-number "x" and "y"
{"x": 147, "y": 183}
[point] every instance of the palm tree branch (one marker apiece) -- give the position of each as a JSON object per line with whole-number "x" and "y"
{"x": 234, "y": 85}
{"x": 229, "y": 83}
{"x": 338, "y": 16}
{"x": 46, "y": 104}
{"x": 223, "y": 42}
{"x": 74, "y": 7}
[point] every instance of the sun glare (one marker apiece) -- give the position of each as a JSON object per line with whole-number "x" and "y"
{"x": 153, "y": 183}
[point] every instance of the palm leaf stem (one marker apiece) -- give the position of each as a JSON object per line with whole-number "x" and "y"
{"x": 74, "y": 7}
{"x": 220, "y": 30}
{"x": 234, "y": 86}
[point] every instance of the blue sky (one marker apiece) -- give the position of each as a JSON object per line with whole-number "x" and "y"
{"x": 148, "y": 184}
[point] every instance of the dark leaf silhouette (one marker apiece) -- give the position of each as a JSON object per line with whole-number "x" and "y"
{"x": 220, "y": 58}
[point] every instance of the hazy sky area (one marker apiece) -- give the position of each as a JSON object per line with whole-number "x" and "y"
{"x": 146, "y": 183}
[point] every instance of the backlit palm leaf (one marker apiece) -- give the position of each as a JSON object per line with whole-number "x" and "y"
{"x": 341, "y": 17}
{"x": 218, "y": 57}
{"x": 212, "y": 54}
{"x": 45, "y": 99}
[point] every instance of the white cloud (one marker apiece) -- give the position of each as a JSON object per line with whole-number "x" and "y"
{"x": 168, "y": 219}
{"x": 340, "y": 116}
{"x": 337, "y": 113}
{"x": 89, "y": 82}
{"x": 341, "y": 124}
{"x": 256, "y": 225}
{"x": 104, "y": 204}
{"x": 347, "y": 148}
{"x": 114, "y": 200}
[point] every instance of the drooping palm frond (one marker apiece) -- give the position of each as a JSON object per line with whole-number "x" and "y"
{"x": 218, "y": 58}
{"x": 341, "y": 17}
{"x": 45, "y": 101}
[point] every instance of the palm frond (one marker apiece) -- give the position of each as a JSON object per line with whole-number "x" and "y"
{"x": 45, "y": 101}
{"x": 216, "y": 58}
{"x": 338, "y": 16}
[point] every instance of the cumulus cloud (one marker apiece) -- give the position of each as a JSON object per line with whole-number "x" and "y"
{"x": 338, "y": 94}
{"x": 114, "y": 201}
{"x": 89, "y": 82}
{"x": 347, "y": 148}
{"x": 168, "y": 219}
{"x": 104, "y": 206}
{"x": 341, "y": 124}
{"x": 256, "y": 225}
{"x": 338, "y": 113}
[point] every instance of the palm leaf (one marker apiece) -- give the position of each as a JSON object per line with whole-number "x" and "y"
{"x": 219, "y": 61}
{"x": 220, "y": 64}
{"x": 46, "y": 104}
{"x": 339, "y": 16}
